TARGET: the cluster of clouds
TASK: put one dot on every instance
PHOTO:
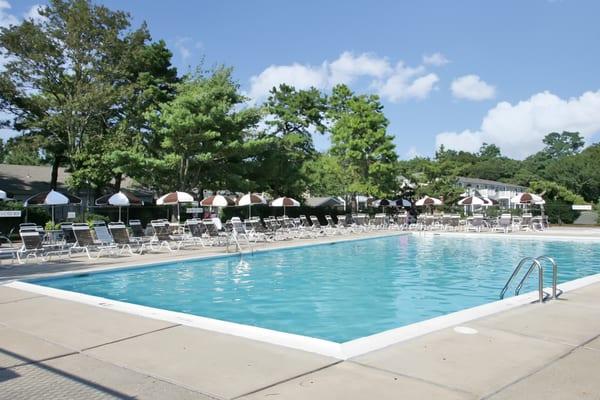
(518, 129)
(392, 81)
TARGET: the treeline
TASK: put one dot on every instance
(90, 93)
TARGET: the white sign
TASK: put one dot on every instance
(71, 214)
(16, 213)
(194, 210)
(582, 207)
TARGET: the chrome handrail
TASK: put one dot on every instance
(515, 272)
(540, 268)
(555, 292)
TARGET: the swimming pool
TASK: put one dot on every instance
(339, 291)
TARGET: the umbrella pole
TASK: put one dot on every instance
(52, 216)
(249, 211)
(284, 210)
(119, 213)
(178, 213)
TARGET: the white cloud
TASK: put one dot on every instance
(6, 18)
(297, 75)
(406, 83)
(435, 59)
(519, 129)
(349, 67)
(471, 87)
(34, 13)
(393, 83)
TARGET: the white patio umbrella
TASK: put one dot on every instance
(52, 199)
(285, 202)
(4, 195)
(175, 198)
(119, 199)
(251, 199)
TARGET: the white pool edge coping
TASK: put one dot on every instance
(341, 351)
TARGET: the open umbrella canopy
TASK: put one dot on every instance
(174, 198)
(401, 203)
(428, 201)
(4, 195)
(489, 202)
(51, 198)
(217, 201)
(527, 198)
(285, 202)
(473, 201)
(382, 203)
(119, 199)
(250, 199)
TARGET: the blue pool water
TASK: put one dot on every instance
(340, 291)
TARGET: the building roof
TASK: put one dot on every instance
(477, 181)
(323, 202)
(21, 180)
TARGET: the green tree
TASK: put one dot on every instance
(563, 144)
(64, 78)
(360, 141)
(292, 116)
(203, 137)
(326, 176)
(24, 150)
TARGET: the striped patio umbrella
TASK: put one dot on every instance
(175, 198)
(472, 201)
(402, 203)
(428, 201)
(285, 202)
(249, 200)
(52, 199)
(382, 203)
(217, 201)
(527, 198)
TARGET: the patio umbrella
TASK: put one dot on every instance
(382, 203)
(250, 199)
(428, 201)
(52, 199)
(527, 198)
(472, 201)
(217, 201)
(175, 198)
(401, 203)
(119, 199)
(285, 202)
(4, 195)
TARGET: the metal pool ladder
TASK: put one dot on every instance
(535, 263)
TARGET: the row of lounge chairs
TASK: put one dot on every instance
(116, 239)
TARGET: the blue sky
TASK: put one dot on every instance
(457, 73)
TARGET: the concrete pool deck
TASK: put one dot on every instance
(54, 348)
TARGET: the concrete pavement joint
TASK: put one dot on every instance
(129, 337)
(416, 378)
(289, 379)
(541, 368)
(21, 299)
